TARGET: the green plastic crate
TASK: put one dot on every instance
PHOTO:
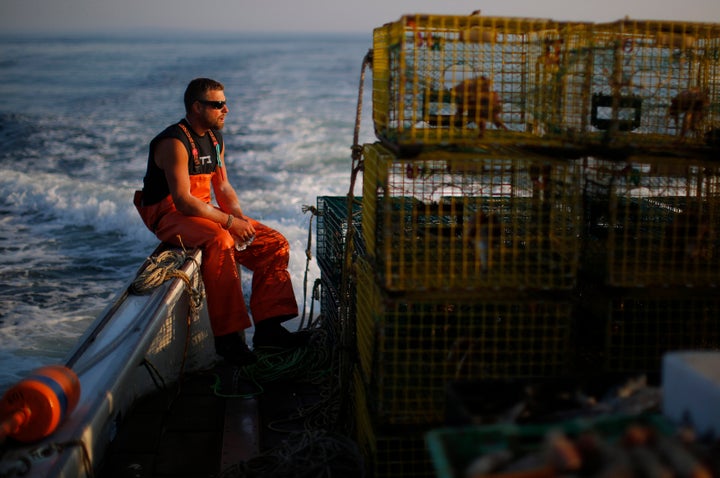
(452, 450)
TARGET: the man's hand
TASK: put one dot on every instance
(242, 229)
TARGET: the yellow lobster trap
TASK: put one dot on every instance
(442, 79)
(447, 221)
(653, 84)
(653, 222)
(412, 347)
(639, 326)
(392, 451)
(474, 80)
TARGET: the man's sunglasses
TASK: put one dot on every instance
(218, 105)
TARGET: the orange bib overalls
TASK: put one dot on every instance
(272, 294)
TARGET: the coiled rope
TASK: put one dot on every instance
(311, 363)
(166, 266)
(163, 267)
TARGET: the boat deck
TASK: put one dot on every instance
(216, 423)
(177, 432)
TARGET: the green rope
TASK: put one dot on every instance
(310, 363)
(216, 387)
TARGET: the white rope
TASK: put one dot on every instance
(166, 266)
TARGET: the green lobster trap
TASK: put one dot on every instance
(441, 79)
(412, 347)
(654, 84)
(462, 221)
(653, 222)
(332, 230)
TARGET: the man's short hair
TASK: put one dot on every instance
(197, 90)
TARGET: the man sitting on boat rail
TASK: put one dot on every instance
(186, 162)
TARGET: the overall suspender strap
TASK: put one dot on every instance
(217, 148)
(194, 149)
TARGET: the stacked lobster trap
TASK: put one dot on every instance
(650, 263)
(480, 253)
(452, 80)
(638, 326)
(332, 242)
(652, 222)
(450, 221)
(468, 265)
(654, 84)
(475, 80)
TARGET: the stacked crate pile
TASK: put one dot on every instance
(651, 266)
(537, 187)
(474, 81)
(470, 264)
(650, 263)
(471, 238)
(654, 86)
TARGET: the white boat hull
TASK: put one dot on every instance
(137, 345)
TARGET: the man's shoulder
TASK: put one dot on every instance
(172, 131)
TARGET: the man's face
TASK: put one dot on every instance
(214, 109)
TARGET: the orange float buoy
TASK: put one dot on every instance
(34, 408)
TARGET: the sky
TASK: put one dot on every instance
(92, 16)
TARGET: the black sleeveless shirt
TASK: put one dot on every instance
(155, 186)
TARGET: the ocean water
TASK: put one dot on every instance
(76, 116)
